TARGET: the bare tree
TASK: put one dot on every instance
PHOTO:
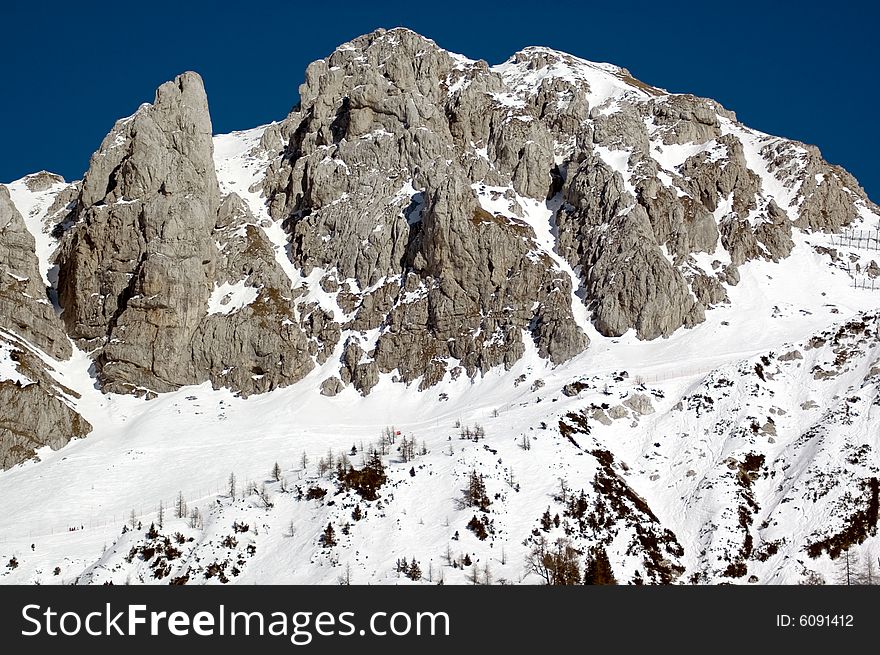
(161, 518)
(303, 461)
(195, 518)
(555, 564)
(407, 449)
(180, 510)
(345, 579)
(474, 576)
(846, 573)
(264, 497)
(487, 574)
(132, 520)
(867, 573)
(231, 486)
(510, 478)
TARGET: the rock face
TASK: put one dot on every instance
(34, 411)
(136, 274)
(419, 184)
(257, 346)
(142, 262)
(25, 309)
(441, 216)
(377, 184)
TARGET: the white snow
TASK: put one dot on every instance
(605, 81)
(8, 368)
(229, 298)
(33, 207)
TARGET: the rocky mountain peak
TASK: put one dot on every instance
(419, 215)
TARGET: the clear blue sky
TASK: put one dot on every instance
(69, 70)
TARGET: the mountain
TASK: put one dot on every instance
(637, 333)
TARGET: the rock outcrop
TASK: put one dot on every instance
(390, 127)
(142, 262)
(35, 410)
(442, 216)
(25, 309)
(255, 346)
(136, 274)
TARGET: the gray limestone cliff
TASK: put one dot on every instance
(35, 411)
(442, 217)
(141, 262)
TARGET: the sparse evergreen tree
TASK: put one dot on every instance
(328, 537)
(812, 578)
(598, 570)
(276, 472)
(161, 517)
(475, 494)
(303, 461)
(415, 571)
(546, 521)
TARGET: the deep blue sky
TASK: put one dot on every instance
(70, 70)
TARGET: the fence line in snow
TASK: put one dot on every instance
(864, 239)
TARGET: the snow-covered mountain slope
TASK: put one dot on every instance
(750, 468)
(650, 331)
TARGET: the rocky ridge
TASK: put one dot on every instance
(439, 217)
